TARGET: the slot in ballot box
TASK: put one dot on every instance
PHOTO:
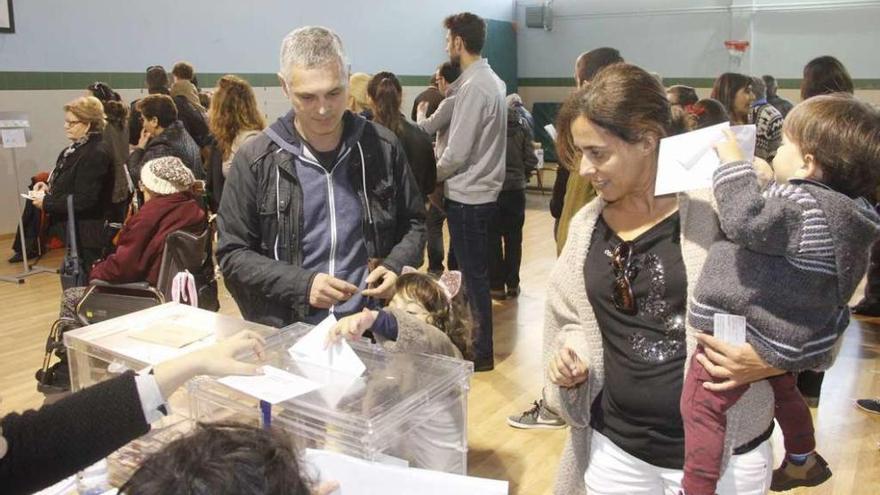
(141, 339)
(406, 409)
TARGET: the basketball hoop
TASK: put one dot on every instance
(736, 48)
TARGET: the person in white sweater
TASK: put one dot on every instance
(616, 341)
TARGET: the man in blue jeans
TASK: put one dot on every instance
(472, 169)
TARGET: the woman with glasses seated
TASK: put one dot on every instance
(616, 339)
(85, 170)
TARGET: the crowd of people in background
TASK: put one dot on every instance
(331, 208)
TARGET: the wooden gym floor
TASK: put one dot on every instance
(848, 438)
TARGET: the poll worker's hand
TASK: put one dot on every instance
(326, 488)
(351, 327)
(145, 137)
(217, 360)
(567, 369)
(385, 289)
(733, 365)
(728, 150)
(38, 201)
(327, 291)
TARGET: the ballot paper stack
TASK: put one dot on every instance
(403, 410)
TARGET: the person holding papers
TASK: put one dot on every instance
(39, 448)
(615, 336)
(809, 230)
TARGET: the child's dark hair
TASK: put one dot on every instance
(452, 317)
(221, 459)
(843, 134)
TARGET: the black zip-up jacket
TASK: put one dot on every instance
(276, 291)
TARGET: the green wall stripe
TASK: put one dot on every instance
(11, 80)
(696, 82)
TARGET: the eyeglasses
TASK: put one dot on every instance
(624, 271)
(71, 123)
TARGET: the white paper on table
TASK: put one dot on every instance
(687, 161)
(273, 386)
(339, 356)
(13, 138)
(730, 328)
(360, 477)
(551, 130)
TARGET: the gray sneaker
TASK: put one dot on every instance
(537, 417)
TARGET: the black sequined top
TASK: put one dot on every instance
(638, 409)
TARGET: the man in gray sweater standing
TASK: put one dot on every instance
(472, 166)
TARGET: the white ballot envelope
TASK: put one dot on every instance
(339, 356)
(687, 161)
(34, 195)
(360, 477)
(730, 328)
(551, 130)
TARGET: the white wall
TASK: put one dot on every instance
(404, 36)
(680, 38)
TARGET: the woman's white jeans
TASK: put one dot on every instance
(612, 471)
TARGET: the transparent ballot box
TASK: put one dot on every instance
(406, 409)
(141, 339)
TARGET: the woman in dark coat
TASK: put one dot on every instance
(84, 170)
(163, 135)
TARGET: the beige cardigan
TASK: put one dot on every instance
(569, 319)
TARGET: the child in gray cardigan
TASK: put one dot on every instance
(791, 259)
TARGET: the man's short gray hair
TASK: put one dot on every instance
(313, 46)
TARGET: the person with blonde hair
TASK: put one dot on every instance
(84, 170)
(358, 100)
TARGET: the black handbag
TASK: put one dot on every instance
(73, 273)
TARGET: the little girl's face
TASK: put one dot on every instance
(403, 302)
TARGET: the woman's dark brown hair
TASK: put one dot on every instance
(233, 109)
(843, 134)
(725, 88)
(452, 317)
(116, 112)
(161, 107)
(223, 459)
(623, 99)
(386, 94)
(824, 75)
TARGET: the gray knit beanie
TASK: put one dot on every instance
(166, 175)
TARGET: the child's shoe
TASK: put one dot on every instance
(812, 472)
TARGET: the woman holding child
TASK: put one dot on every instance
(616, 341)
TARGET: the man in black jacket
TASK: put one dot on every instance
(320, 212)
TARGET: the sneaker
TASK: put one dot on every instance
(869, 405)
(513, 291)
(537, 417)
(866, 308)
(813, 472)
(498, 294)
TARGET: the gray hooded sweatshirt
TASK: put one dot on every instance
(472, 165)
(791, 259)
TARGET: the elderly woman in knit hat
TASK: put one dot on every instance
(169, 205)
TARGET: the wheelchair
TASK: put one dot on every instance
(184, 251)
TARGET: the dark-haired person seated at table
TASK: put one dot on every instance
(226, 459)
(39, 448)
